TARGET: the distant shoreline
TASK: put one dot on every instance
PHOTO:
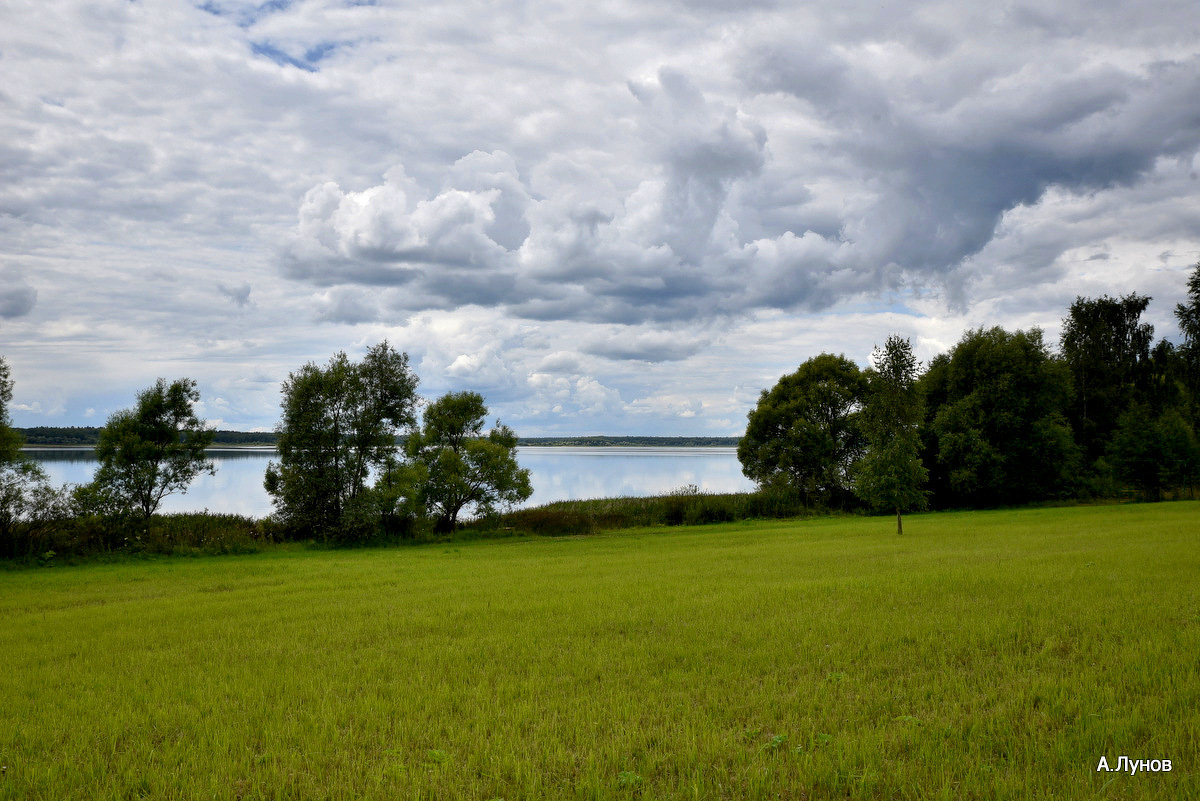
(86, 437)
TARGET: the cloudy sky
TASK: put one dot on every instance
(607, 217)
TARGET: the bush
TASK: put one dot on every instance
(684, 506)
(29, 509)
(186, 534)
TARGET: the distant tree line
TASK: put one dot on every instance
(999, 419)
(631, 442)
(50, 436)
(90, 435)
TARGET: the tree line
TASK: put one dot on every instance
(1000, 419)
(354, 463)
(83, 436)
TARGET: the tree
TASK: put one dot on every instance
(27, 501)
(1188, 315)
(339, 422)
(803, 433)
(890, 474)
(155, 449)
(10, 440)
(1154, 454)
(996, 432)
(1107, 348)
(454, 465)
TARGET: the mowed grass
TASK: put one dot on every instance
(981, 655)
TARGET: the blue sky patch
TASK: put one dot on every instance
(279, 57)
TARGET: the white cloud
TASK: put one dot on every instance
(605, 216)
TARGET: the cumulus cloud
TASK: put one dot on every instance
(488, 238)
(901, 178)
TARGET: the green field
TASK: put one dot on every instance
(981, 655)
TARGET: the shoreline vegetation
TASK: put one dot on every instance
(79, 540)
(92, 539)
(89, 436)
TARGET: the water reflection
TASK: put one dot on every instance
(237, 487)
(556, 474)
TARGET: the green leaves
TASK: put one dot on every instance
(456, 466)
(997, 427)
(154, 449)
(339, 422)
(803, 433)
(890, 475)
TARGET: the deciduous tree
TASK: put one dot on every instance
(10, 440)
(1107, 347)
(1154, 454)
(1188, 315)
(890, 475)
(803, 433)
(339, 422)
(454, 465)
(996, 428)
(154, 449)
(27, 501)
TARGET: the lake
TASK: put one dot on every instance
(557, 474)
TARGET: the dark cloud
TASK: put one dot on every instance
(645, 346)
(943, 170)
(17, 297)
(340, 305)
(239, 294)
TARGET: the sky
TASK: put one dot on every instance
(608, 217)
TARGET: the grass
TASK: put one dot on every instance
(982, 655)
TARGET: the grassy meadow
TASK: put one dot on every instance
(982, 655)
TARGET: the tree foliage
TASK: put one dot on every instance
(996, 430)
(339, 421)
(1107, 348)
(890, 475)
(804, 434)
(1188, 315)
(10, 440)
(27, 501)
(1154, 454)
(154, 449)
(454, 465)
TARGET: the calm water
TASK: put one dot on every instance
(557, 474)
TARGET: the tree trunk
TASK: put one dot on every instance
(899, 525)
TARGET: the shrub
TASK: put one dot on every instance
(684, 506)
